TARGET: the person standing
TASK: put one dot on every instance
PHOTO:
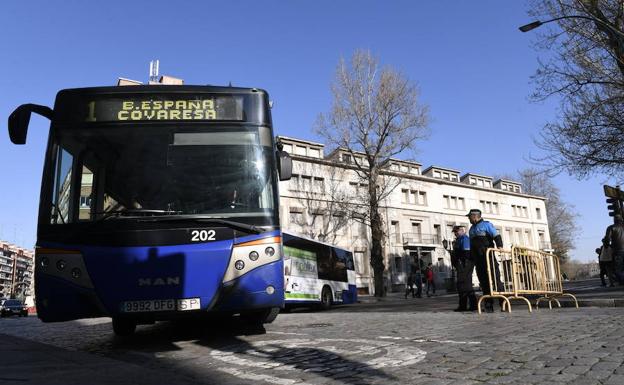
(614, 239)
(410, 284)
(418, 282)
(605, 261)
(483, 235)
(464, 266)
(429, 277)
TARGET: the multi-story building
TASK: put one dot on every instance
(419, 211)
(16, 271)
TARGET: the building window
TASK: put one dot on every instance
(489, 207)
(314, 152)
(318, 185)
(296, 216)
(437, 174)
(346, 158)
(538, 213)
(454, 203)
(361, 262)
(300, 150)
(398, 264)
(294, 182)
(414, 197)
(520, 211)
(395, 231)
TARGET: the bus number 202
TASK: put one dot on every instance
(202, 235)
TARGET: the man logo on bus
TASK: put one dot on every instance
(164, 281)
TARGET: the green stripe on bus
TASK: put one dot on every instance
(298, 253)
(306, 296)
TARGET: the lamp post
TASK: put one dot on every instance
(537, 23)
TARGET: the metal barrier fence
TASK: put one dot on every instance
(520, 272)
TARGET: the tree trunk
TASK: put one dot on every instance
(377, 260)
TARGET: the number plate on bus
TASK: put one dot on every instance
(155, 305)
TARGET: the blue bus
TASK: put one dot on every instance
(317, 274)
(158, 202)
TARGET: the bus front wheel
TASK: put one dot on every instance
(326, 298)
(259, 317)
(123, 326)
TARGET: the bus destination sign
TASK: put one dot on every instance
(204, 107)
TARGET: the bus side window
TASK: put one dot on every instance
(324, 260)
(62, 187)
(350, 263)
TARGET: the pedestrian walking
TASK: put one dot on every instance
(418, 281)
(430, 279)
(464, 266)
(605, 261)
(483, 235)
(410, 284)
(614, 239)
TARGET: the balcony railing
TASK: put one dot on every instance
(421, 239)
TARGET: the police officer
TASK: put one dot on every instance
(483, 235)
(464, 266)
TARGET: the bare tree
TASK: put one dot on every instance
(375, 114)
(329, 206)
(561, 215)
(587, 74)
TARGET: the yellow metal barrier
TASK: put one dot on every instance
(519, 272)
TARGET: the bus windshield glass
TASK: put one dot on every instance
(219, 171)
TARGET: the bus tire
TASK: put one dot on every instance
(326, 298)
(260, 317)
(124, 327)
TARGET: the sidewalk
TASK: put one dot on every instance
(588, 293)
(27, 362)
(400, 296)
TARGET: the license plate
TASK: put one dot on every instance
(157, 305)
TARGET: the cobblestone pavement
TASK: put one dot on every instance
(347, 346)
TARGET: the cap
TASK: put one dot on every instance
(473, 211)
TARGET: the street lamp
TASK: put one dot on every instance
(538, 23)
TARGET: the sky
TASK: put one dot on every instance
(470, 62)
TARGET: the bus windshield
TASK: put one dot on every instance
(213, 170)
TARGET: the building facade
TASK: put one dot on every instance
(16, 271)
(419, 212)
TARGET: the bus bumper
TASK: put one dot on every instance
(257, 289)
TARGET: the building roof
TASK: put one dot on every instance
(440, 168)
(469, 174)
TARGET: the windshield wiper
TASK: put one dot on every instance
(231, 224)
(134, 213)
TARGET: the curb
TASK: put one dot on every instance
(595, 302)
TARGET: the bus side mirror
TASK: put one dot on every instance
(19, 119)
(284, 163)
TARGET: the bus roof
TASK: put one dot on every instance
(292, 234)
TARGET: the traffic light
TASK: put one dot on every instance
(614, 206)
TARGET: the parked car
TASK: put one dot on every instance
(11, 307)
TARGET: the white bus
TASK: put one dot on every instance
(316, 273)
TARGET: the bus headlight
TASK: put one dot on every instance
(247, 256)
